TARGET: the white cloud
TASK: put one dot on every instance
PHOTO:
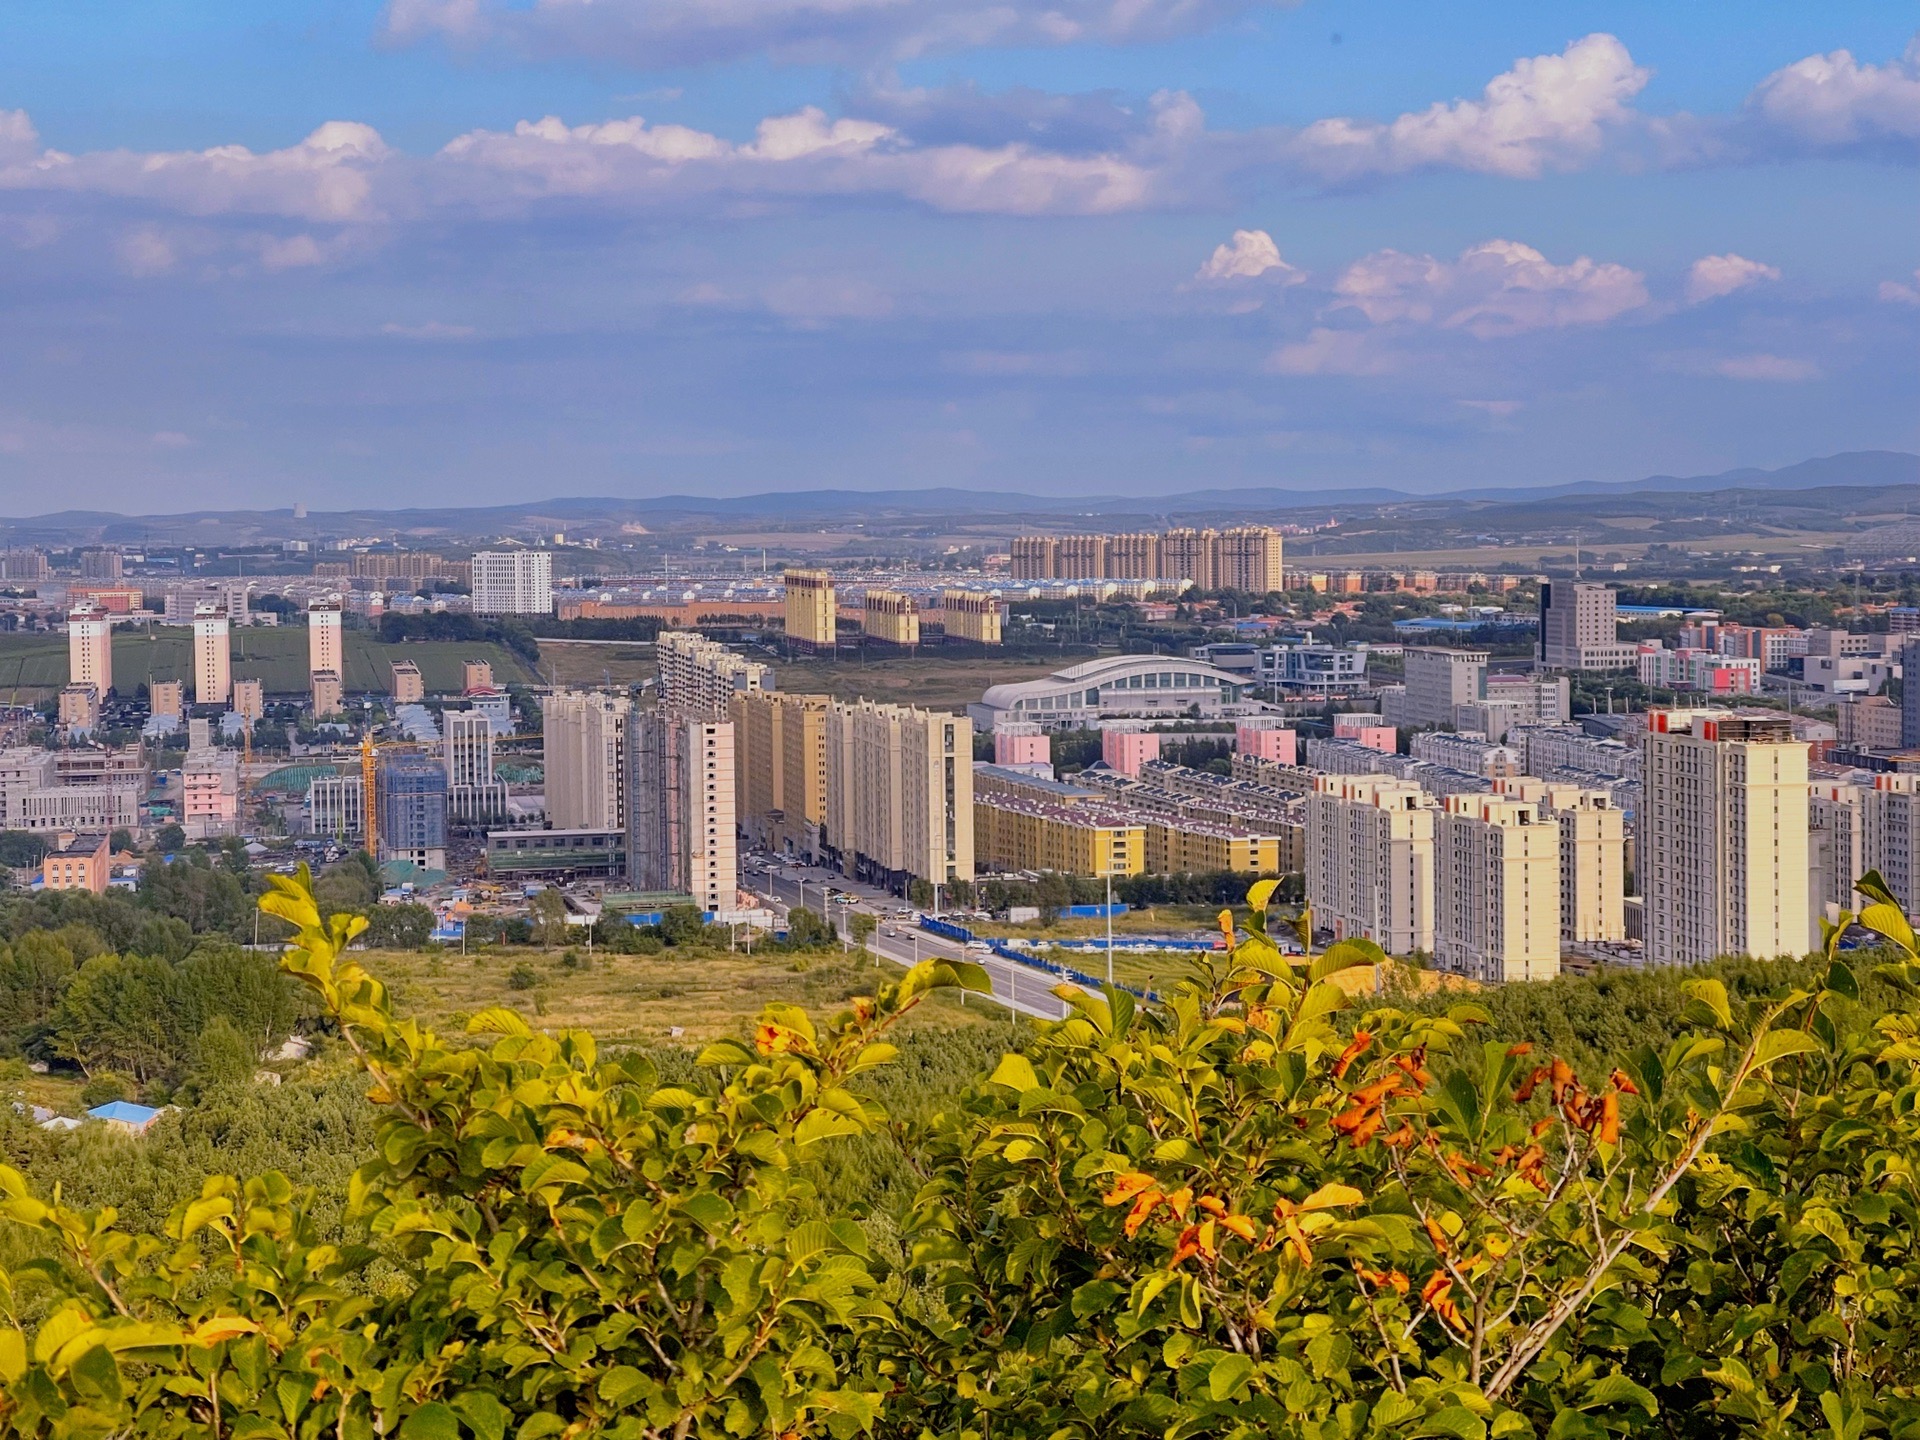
(18, 139)
(1549, 112)
(1834, 101)
(1896, 292)
(1332, 352)
(798, 155)
(1250, 254)
(145, 251)
(1497, 288)
(1712, 276)
(428, 330)
(656, 33)
(326, 177)
(1777, 368)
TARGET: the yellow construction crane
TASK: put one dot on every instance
(369, 784)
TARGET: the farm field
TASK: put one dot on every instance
(34, 666)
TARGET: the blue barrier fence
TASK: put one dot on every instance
(1093, 912)
(948, 930)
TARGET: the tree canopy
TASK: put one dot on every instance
(1256, 1208)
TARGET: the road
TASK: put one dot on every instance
(1020, 988)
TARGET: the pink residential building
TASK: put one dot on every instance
(1266, 741)
(210, 794)
(1127, 750)
(1021, 745)
(1368, 730)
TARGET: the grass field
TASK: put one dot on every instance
(33, 666)
(638, 999)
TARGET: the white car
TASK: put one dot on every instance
(980, 945)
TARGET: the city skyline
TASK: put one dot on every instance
(424, 252)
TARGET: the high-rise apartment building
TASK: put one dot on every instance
(326, 649)
(1035, 557)
(164, 698)
(891, 617)
(408, 686)
(780, 750)
(328, 696)
(1250, 558)
(474, 795)
(101, 565)
(1082, 557)
(1133, 557)
(212, 656)
(969, 615)
(249, 700)
(1246, 557)
(585, 757)
(1593, 856)
(1191, 555)
(1439, 680)
(513, 582)
(410, 796)
(682, 817)
(90, 649)
(899, 800)
(812, 609)
(1496, 890)
(1836, 851)
(1579, 628)
(1910, 695)
(1891, 831)
(1370, 860)
(1722, 840)
(699, 676)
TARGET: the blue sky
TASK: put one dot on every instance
(420, 251)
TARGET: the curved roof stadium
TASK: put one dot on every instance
(1113, 688)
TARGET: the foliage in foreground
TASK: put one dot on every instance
(1238, 1213)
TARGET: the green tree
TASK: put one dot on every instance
(170, 839)
(21, 848)
(548, 910)
(407, 926)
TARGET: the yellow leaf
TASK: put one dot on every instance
(1330, 1195)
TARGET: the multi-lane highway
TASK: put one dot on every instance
(1020, 988)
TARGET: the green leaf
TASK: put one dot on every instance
(1778, 1044)
(1093, 1297)
(484, 1414)
(1888, 919)
(1344, 955)
(1229, 1375)
(1455, 1420)
(498, 1020)
(13, 1355)
(96, 1375)
(432, 1421)
(621, 1385)
(1619, 1390)
(1261, 895)
(1015, 1072)
(1712, 997)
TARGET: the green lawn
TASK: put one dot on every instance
(34, 666)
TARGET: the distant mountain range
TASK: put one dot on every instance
(1877, 470)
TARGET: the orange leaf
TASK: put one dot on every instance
(1437, 1235)
(1610, 1119)
(1240, 1225)
(1623, 1084)
(1142, 1208)
(1523, 1048)
(1361, 1040)
(1207, 1246)
(1212, 1204)
(1179, 1200)
(1188, 1245)
(1127, 1186)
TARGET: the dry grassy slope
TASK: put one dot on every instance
(640, 998)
